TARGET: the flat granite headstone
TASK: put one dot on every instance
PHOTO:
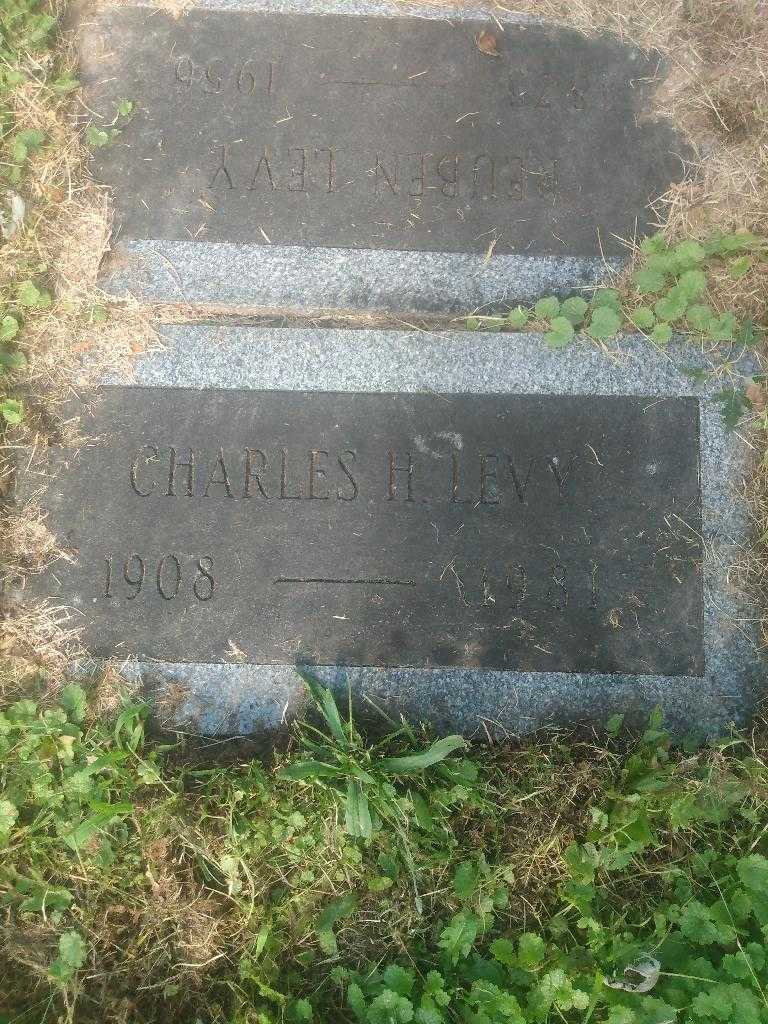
(468, 529)
(368, 160)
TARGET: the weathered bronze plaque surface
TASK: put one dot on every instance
(381, 133)
(507, 532)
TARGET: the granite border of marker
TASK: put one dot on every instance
(259, 700)
(320, 279)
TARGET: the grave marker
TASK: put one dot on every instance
(378, 133)
(516, 532)
(559, 551)
(365, 161)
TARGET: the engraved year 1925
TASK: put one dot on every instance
(168, 576)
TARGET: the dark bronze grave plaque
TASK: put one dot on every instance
(378, 133)
(505, 532)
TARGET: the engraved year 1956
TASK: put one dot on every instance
(169, 575)
(245, 77)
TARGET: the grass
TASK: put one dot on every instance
(239, 892)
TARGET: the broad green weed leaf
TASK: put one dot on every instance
(390, 1008)
(13, 361)
(356, 1001)
(504, 951)
(750, 334)
(688, 254)
(434, 985)
(28, 294)
(74, 702)
(301, 1011)
(458, 938)
(12, 411)
(64, 84)
(428, 1013)
(753, 872)
(399, 980)
(662, 263)
(614, 724)
(424, 818)
(720, 244)
(715, 1005)
(700, 927)
(379, 884)
(22, 711)
(98, 137)
(465, 879)
(9, 328)
(327, 941)
(357, 812)
(46, 900)
(439, 750)
(97, 314)
(531, 950)
(8, 816)
(332, 914)
(72, 949)
(25, 143)
(621, 1015)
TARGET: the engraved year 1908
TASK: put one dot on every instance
(168, 573)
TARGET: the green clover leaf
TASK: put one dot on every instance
(560, 333)
(661, 334)
(699, 316)
(574, 309)
(547, 307)
(517, 318)
(605, 323)
(642, 317)
(723, 327)
(673, 305)
(692, 283)
(647, 281)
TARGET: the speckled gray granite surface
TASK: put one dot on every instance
(381, 8)
(290, 277)
(221, 700)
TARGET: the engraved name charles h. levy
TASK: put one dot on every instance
(483, 478)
